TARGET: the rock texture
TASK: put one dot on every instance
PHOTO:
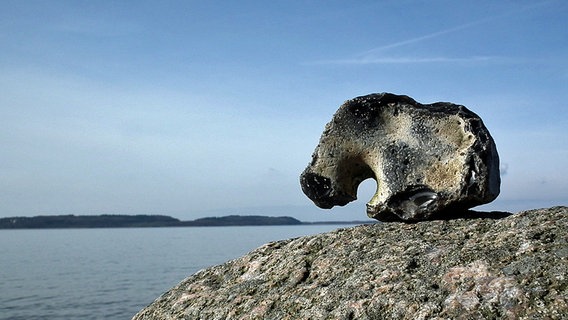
(428, 159)
(511, 268)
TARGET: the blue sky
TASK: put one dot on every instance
(196, 108)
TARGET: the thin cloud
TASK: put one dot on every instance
(376, 55)
(97, 27)
(409, 60)
(421, 38)
(372, 56)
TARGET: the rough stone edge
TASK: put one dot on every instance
(267, 249)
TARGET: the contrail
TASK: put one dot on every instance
(451, 30)
(414, 60)
(421, 38)
(372, 56)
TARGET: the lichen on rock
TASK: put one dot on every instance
(510, 268)
(429, 160)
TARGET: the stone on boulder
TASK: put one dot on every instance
(510, 268)
(429, 160)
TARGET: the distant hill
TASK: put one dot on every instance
(99, 221)
(242, 221)
(137, 221)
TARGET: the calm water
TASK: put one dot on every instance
(113, 273)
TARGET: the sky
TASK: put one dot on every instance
(201, 108)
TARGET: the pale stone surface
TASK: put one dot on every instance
(510, 268)
(428, 160)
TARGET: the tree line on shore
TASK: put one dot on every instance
(137, 221)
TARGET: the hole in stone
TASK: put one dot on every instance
(367, 189)
(472, 178)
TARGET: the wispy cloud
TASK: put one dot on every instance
(420, 38)
(409, 60)
(450, 30)
(99, 27)
(379, 55)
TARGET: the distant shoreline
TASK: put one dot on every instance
(151, 221)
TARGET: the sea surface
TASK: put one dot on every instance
(114, 273)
